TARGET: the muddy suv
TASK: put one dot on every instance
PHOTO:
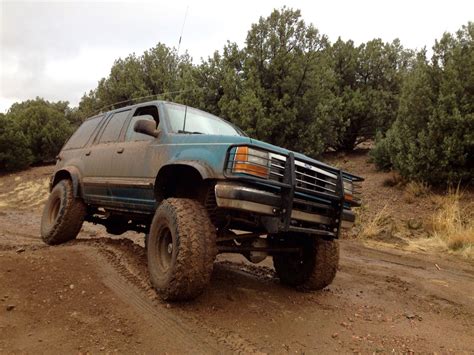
(196, 185)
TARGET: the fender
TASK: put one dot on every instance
(68, 172)
(203, 168)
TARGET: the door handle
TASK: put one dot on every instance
(88, 153)
(120, 150)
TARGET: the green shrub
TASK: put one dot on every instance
(380, 154)
(432, 138)
(33, 131)
(14, 150)
(368, 81)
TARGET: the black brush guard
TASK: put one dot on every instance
(288, 187)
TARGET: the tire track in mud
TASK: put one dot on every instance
(126, 275)
(22, 241)
(131, 290)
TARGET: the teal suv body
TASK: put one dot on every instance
(196, 185)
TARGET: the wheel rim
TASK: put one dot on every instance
(54, 210)
(165, 249)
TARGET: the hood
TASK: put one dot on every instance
(207, 139)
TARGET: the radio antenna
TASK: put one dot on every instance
(182, 29)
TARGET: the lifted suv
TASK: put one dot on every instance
(196, 186)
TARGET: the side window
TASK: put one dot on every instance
(114, 126)
(142, 113)
(80, 138)
(131, 135)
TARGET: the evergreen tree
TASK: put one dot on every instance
(14, 149)
(369, 78)
(282, 92)
(43, 124)
(432, 138)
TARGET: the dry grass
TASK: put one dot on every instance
(453, 226)
(375, 225)
(415, 190)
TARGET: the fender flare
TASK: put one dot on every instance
(203, 169)
(68, 172)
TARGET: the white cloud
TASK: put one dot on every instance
(59, 50)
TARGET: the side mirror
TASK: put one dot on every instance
(147, 127)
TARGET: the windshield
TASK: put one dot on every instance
(185, 119)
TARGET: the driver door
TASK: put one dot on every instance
(133, 185)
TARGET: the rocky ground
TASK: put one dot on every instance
(93, 295)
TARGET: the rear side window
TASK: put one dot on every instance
(80, 138)
(114, 126)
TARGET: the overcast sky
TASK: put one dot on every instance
(59, 50)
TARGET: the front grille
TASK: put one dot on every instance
(277, 169)
(309, 178)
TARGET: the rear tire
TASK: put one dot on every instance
(313, 269)
(181, 249)
(63, 215)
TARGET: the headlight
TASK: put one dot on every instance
(251, 161)
(348, 186)
(348, 190)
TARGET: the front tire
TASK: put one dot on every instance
(63, 215)
(181, 249)
(312, 269)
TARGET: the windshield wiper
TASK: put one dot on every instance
(188, 132)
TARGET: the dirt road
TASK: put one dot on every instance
(93, 295)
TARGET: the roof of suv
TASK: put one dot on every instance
(129, 107)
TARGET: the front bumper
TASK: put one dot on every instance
(238, 196)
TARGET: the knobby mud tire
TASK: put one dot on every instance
(314, 269)
(181, 271)
(63, 215)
